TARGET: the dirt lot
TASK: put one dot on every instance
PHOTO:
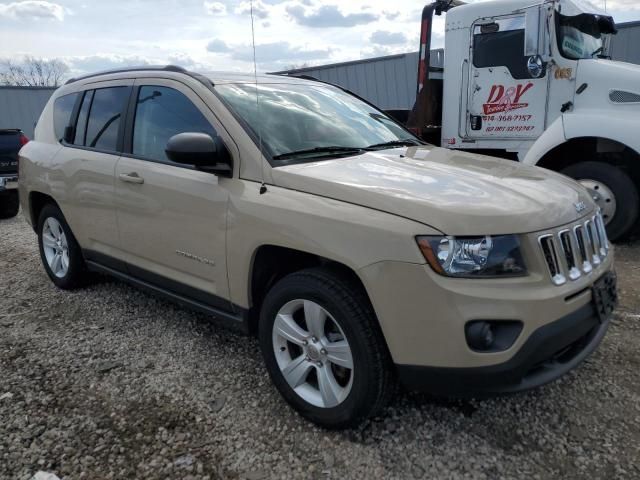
(109, 382)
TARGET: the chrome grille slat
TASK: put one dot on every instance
(550, 252)
(593, 248)
(569, 249)
(575, 251)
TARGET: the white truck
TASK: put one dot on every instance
(532, 81)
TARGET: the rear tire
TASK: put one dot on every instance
(622, 187)
(59, 251)
(362, 391)
(9, 204)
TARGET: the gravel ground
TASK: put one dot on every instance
(109, 382)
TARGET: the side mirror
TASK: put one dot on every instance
(202, 151)
(532, 32)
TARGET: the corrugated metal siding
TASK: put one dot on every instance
(625, 46)
(20, 107)
(388, 82)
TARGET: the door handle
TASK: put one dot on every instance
(132, 177)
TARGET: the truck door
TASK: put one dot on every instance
(507, 90)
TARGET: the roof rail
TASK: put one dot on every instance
(152, 68)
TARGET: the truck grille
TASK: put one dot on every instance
(575, 251)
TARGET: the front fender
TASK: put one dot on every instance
(622, 127)
(550, 139)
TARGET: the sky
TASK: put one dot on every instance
(210, 35)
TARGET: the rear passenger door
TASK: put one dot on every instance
(171, 217)
(88, 164)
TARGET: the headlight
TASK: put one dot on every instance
(486, 256)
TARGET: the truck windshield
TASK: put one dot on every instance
(310, 121)
(582, 36)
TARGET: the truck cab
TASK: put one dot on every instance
(533, 82)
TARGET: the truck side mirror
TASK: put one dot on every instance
(532, 32)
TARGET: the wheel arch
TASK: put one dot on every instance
(270, 263)
(596, 148)
(37, 201)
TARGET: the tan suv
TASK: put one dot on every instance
(292, 209)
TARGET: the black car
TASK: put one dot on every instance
(11, 141)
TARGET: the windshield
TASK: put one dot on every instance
(582, 36)
(303, 117)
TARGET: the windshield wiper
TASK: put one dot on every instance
(407, 142)
(318, 151)
(597, 51)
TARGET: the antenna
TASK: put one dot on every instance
(263, 186)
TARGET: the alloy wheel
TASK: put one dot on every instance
(313, 353)
(55, 246)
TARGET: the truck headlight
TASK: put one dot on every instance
(485, 256)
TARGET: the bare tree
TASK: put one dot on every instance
(32, 72)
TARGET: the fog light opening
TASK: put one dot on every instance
(480, 336)
(488, 336)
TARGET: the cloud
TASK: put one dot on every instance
(260, 10)
(215, 8)
(621, 5)
(278, 53)
(99, 62)
(217, 46)
(388, 38)
(391, 15)
(32, 9)
(328, 16)
(183, 60)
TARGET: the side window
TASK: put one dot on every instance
(161, 113)
(62, 110)
(105, 115)
(81, 125)
(501, 44)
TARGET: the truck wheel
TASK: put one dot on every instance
(9, 204)
(324, 349)
(59, 250)
(614, 192)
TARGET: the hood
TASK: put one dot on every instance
(610, 84)
(455, 192)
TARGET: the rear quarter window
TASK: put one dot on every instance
(62, 110)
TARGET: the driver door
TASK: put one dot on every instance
(171, 217)
(506, 101)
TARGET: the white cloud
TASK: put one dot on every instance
(215, 8)
(32, 9)
(99, 62)
(329, 16)
(619, 5)
(382, 37)
(217, 46)
(260, 10)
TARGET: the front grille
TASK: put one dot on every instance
(575, 251)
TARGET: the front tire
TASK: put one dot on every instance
(59, 250)
(613, 190)
(324, 350)
(9, 204)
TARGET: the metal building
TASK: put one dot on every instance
(388, 82)
(625, 45)
(20, 107)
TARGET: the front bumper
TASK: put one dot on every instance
(549, 352)
(9, 182)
